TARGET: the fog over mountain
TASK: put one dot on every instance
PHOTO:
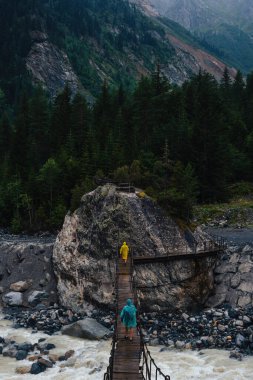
(194, 14)
(227, 25)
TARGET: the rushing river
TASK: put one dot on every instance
(91, 359)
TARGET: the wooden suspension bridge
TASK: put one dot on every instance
(132, 360)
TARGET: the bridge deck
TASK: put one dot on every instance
(171, 257)
(127, 354)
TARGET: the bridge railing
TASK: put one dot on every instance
(109, 371)
(217, 244)
(148, 367)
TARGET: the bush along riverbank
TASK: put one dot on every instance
(237, 213)
(224, 328)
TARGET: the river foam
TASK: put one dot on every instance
(91, 359)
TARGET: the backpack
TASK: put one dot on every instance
(129, 315)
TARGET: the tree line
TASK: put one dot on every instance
(180, 144)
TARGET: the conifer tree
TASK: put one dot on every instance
(80, 118)
(209, 139)
(19, 147)
(61, 119)
(39, 134)
(5, 136)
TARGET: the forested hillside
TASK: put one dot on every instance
(103, 39)
(180, 144)
(84, 42)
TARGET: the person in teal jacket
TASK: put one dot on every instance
(128, 318)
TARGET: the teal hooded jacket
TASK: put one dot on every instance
(128, 314)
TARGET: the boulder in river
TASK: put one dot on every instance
(87, 328)
(86, 249)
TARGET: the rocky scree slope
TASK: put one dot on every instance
(233, 276)
(86, 248)
(26, 272)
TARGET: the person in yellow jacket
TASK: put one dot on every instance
(124, 252)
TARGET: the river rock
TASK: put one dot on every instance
(69, 354)
(87, 328)
(45, 362)
(239, 340)
(21, 355)
(10, 351)
(23, 370)
(236, 355)
(20, 286)
(37, 368)
(36, 297)
(53, 358)
(13, 299)
(179, 345)
(1, 290)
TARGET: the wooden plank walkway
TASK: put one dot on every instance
(172, 257)
(127, 354)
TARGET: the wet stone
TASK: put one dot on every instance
(37, 368)
(21, 355)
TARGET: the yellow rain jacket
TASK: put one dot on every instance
(124, 251)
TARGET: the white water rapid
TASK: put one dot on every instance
(91, 359)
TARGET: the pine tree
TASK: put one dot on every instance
(19, 147)
(39, 135)
(80, 119)
(5, 136)
(210, 156)
(61, 119)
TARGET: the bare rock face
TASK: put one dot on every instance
(233, 277)
(26, 271)
(50, 66)
(86, 248)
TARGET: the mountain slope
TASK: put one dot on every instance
(226, 25)
(84, 43)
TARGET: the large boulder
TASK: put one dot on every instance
(86, 249)
(87, 328)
